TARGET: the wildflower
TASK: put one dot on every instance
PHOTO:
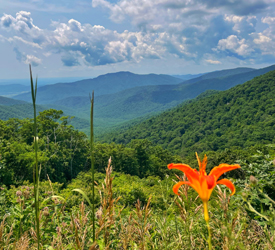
(26, 194)
(203, 183)
(253, 180)
(18, 193)
(46, 211)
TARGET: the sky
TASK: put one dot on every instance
(82, 38)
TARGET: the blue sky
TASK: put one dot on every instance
(88, 38)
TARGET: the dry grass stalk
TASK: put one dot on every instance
(224, 200)
(5, 236)
(142, 225)
(23, 243)
(126, 232)
(106, 213)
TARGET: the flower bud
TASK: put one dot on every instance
(244, 195)
(26, 194)
(253, 180)
(18, 193)
(46, 211)
(99, 213)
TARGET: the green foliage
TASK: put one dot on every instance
(241, 117)
(62, 151)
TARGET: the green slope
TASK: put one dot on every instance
(241, 116)
(11, 108)
(9, 101)
(19, 111)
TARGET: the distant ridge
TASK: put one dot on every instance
(104, 84)
(113, 110)
(9, 101)
(241, 116)
(123, 106)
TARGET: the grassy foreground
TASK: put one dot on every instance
(162, 221)
(115, 210)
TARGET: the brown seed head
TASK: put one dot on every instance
(18, 193)
(253, 179)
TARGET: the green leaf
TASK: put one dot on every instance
(84, 195)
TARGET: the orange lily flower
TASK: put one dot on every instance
(203, 183)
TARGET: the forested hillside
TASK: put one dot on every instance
(241, 116)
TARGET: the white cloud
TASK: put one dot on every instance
(213, 61)
(33, 60)
(242, 24)
(235, 45)
(262, 39)
(265, 40)
(181, 29)
(27, 59)
(153, 12)
(35, 45)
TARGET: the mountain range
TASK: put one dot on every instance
(239, 117)
(123, 96)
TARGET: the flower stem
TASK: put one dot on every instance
(206, 218)
(92, 161)
(35, 168)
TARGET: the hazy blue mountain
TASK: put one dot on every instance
(187, 77)
(42, 81)
(104, 84)
(114, 109)
(11, 90)
(220, 74)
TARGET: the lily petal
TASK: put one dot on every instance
(210, 180)
(177, 186)
(229, 184)
(199, 160)
(203, 165)
(190, 172)
(222, 168)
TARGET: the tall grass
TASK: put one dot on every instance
(36, 171)
(92, 161)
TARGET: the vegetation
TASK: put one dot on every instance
(134, 202)
(134, 213)
(240, 117)
(64, 151)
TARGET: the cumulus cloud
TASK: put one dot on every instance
(265, 40)
(27, 59)
(244, 25)
(235, 45)
(22, 22)
(157, 11)
(181, 28)
(76, 42)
